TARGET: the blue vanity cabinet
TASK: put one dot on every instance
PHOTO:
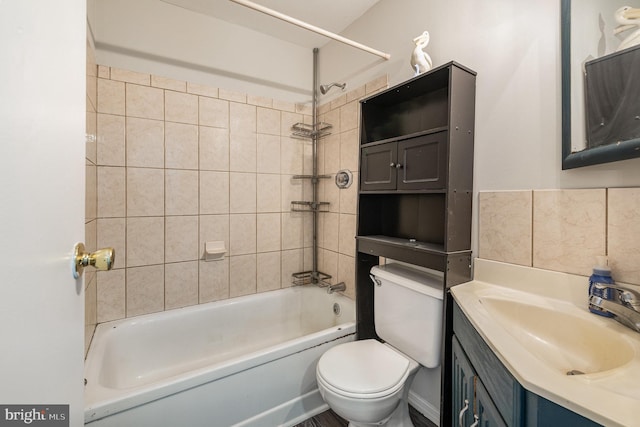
(493, 393)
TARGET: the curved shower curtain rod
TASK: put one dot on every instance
(310, 27)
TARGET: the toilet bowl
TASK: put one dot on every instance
(368, 382)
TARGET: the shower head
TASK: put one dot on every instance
(325, 88)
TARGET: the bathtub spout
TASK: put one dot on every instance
(340, 287)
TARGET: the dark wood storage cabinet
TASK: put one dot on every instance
(416, 186)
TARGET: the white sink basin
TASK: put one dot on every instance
(568, 343)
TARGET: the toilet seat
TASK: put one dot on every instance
(364, 369)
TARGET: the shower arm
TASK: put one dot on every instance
(313, 28)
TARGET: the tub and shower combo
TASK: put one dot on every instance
(246, 361)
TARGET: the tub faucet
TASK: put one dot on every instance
(624, 305)
(341, 287)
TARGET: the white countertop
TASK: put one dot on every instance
(610, 397)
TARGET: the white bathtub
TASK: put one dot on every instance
(246, 361)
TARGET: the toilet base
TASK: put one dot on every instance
(399, 418)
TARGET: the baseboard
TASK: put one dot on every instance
(431, 412)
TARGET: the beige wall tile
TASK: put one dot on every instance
(287, 120)
(292, 262)
(339, 101)
(214, 192)
(268, 154)
(181, 146)
(91, 136)
(181, 192)
(167, 83)
(232, 95)
(347, 235)
(268, 232)
(623, 231)
(292, 230)
(144, 102)
(349, 116)
(91, 192)
(111, 97)
(243, 152)
(145, 241)
(213, 280)
(376, 85)
(242, 118)
(268, 271)
(111, 295)
(90, 312)
(242, 234)
(356, 94)
(348, 196)
(349, 150)
(213, 112)
(145, 143)
(213, 228)
(104, 72)
(111, 192)
(242, 194)
(260, 101)
(204, 90)
(130, 76)
(331, 231)
(268, 121)
(145, 290)
(180, 107)
(268, 193)
(213, 148)
(505, 226)
(291, 152)
(284, 106)
(112, 233)
(110, 142)
(181, 239)
(569, 229)
(242, 275)
(328, 263)
(180, 284)
(145, 192)
(347, 274)
(290, 190)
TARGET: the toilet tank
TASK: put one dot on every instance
(408, 311)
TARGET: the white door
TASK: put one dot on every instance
(42, 151)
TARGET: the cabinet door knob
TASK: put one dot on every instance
(392, 165)
(398, 166)
(462, 411)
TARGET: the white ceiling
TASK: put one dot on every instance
(331, 15)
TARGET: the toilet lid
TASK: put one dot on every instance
(363, 367)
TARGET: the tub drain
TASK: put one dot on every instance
(336, 309)
(575, 372)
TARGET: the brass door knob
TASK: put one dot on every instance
(102, 259)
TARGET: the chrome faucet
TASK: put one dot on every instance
(624, 304)
(341, 287)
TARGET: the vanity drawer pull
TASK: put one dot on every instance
(462, 411)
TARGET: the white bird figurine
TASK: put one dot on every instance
(420, 60)
(628, 17)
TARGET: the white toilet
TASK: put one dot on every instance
(367, 382)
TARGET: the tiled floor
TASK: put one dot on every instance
(330, 419)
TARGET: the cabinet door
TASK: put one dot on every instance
(378, 164)
(423, 162)
(462, 376)
(488, 415)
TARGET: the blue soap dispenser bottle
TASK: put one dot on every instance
(601, 276)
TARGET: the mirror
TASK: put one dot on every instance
(588, 42)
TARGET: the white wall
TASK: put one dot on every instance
(514, 45)
(151, 36)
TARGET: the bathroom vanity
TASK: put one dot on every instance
(526, 351)
(484, 390)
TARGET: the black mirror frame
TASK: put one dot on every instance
(592, 156)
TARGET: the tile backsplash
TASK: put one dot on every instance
(563, 230)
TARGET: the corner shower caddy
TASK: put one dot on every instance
(315, 131)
